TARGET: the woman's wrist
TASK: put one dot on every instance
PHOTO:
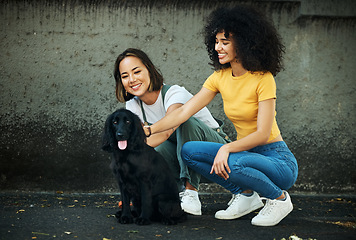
(226, 148)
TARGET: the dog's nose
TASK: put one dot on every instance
(119, 134)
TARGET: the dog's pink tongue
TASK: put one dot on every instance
(122, 144)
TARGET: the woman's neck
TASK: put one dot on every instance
(150, 98)
(237, 69)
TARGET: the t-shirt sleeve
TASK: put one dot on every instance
(176, 94)
(266, 88)
(211, 83)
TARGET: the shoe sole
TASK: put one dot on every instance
(273, 223)
(192, 212)
(255, 207)
(197, 213)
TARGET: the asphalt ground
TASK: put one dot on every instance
(91, 216)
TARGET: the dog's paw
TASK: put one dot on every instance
(125, 220)
(168, 221)
(142, 221)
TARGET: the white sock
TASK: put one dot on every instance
(193, 192)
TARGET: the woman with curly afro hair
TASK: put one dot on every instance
(246, 52)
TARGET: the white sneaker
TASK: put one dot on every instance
(190, 202)
(181, 194)
(273, 212)
(232, 199)
(239, 206)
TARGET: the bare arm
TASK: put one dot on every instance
(183, 113)
(156, 139)
(266, 111)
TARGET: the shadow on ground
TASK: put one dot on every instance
(91, 216)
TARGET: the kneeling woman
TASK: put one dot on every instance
(140, 85)
(246, 52)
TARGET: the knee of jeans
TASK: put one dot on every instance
(236, 166)
(187, 149)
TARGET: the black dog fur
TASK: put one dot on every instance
(143, 175)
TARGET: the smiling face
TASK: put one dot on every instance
(225, 48)
(134, 76)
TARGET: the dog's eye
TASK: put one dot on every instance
(114, 122)
(128, 122)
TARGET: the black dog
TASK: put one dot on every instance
(143, 175)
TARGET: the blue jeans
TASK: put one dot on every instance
(266, 169)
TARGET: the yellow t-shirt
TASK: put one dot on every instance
(241, 96)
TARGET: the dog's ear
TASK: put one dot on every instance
(107, 136)
(106, 146)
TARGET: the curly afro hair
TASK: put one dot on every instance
(257, 42)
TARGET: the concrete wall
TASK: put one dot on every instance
(57, 88)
